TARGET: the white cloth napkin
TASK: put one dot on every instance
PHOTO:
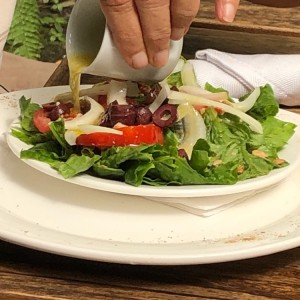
(210, 205)
(238, 73)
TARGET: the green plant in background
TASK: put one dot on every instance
(54, 20)
(24, 37)
(38, 29)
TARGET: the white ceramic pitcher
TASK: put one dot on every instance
(88, 35)
(7, 8)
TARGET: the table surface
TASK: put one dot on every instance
(30, 274)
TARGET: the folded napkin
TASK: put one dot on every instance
(210, 205)
(238, 73)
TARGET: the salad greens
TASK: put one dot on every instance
(230, 153)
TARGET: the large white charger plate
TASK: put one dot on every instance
(48, 214)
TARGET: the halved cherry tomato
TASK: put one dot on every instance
(136, 135)
(41, 121)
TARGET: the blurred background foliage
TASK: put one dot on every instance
(38, 29)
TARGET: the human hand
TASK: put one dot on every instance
(142, 29)
(226, 9)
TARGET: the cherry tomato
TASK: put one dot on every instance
(136, 135)
(142, 134)
(41, 121)
(100, 139)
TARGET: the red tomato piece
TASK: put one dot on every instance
(100, 139)
(41, 121)
(143, 134)
(136, 135)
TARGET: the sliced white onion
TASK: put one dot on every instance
(182, 110)
(198, 91)
(117, 91)
(249, 102)
(178, 97)
(178, 66)
(91, 117)
(194, 129)
(161, 97)
(71, 136)
(188, 76)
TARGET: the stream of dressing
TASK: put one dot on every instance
(77, 63)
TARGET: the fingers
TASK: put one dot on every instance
(155, 20)
(182, 14)
(226, 10)
(123, 21)
(142, 29)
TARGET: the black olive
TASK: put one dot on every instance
(182, 153)
(136, 101)
(152, 94)
(143, 115)
(58, 110)
(85, 106)
(165, 116)
(123, 113)
(49, 106)
(144, 88)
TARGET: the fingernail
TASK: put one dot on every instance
(139, 60)
(177, 33)
(160, 58)
(228, 12)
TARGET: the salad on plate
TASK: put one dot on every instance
(169, 133)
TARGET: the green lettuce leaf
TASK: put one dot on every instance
(266, 105)
(29, 137)
(77, 164)
(27, 109)
(175, 79)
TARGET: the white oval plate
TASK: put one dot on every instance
(42, 212)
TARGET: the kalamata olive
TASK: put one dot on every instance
(143, 115)
(49, 106)
(124, 113)
(153, 93)
(58, 110)
(182, 153)
(85, 106)
(136, 101)
(144, 88)
(165, 116)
